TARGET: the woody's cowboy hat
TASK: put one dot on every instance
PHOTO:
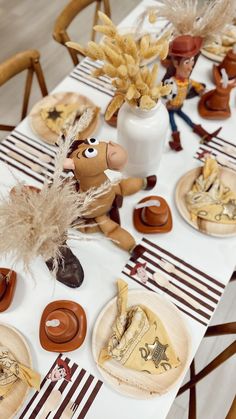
(63, 326)
(61, 363)
(185, 46)
(135, 268)
(152, 215)
(7, 287)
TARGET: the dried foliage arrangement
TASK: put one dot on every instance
(36, 222)
(190, 17)
(123, 58)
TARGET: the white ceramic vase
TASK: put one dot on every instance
(142, 133)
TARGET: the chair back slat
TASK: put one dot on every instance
(26, 60)
(67, 16)
(16, 64)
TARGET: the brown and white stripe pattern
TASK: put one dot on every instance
(81, 391)
(206, 294)
(31, 164)
(223, 151)
(83, 73)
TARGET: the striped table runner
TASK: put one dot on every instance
(83, 73)
(196, 285)
(80, 393)
(223, 151)
(24, 154)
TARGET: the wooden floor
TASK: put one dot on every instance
(28, 24)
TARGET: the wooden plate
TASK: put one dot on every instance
(15, 342)
(40, 127)
(212, 56)
(119, 377)
(185, 184)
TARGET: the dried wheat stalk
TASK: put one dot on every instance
(190, 17)
(123, 58)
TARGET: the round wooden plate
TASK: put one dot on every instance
(39, 126)
(15, 342)
(121, 378)
(212, 56)
(185, 184)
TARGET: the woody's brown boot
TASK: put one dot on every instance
(205, 135)
(176, 143)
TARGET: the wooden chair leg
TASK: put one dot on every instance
(95, 18)
(222, 357)
(107, 9)
(192, 411)
(221, 329)
(74, 56)
(28, 86)
(232, 411)
(40, 77)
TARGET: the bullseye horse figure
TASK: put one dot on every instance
(88, 160)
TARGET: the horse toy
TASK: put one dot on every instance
(88, 160)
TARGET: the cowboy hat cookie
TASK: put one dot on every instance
(215, 103)
(152, 215)
(7, 287)
(63, 326)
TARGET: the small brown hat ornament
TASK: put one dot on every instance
(215, 104)
(152, 215)
(63, 326)
(7, 287)
(229, 64)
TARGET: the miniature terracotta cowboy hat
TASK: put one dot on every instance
(229, 64)
(215, 104)
(152, 215)
(63, 326)
(7, 287)
(185, 46)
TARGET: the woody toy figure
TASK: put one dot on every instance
(183, 52)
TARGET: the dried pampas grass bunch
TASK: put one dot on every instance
(35, 222)
(189, 17)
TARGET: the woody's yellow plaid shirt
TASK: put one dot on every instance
(183, 87)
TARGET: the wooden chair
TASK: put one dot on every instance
(217, 330)
(26, 60)
(68, 14)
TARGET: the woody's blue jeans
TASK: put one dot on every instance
(181, 115)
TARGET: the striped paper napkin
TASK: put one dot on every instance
(191, 290)
(31, 157)
(79, 390)
(223, 151)
(83, 73)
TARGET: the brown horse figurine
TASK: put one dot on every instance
(89, 159)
